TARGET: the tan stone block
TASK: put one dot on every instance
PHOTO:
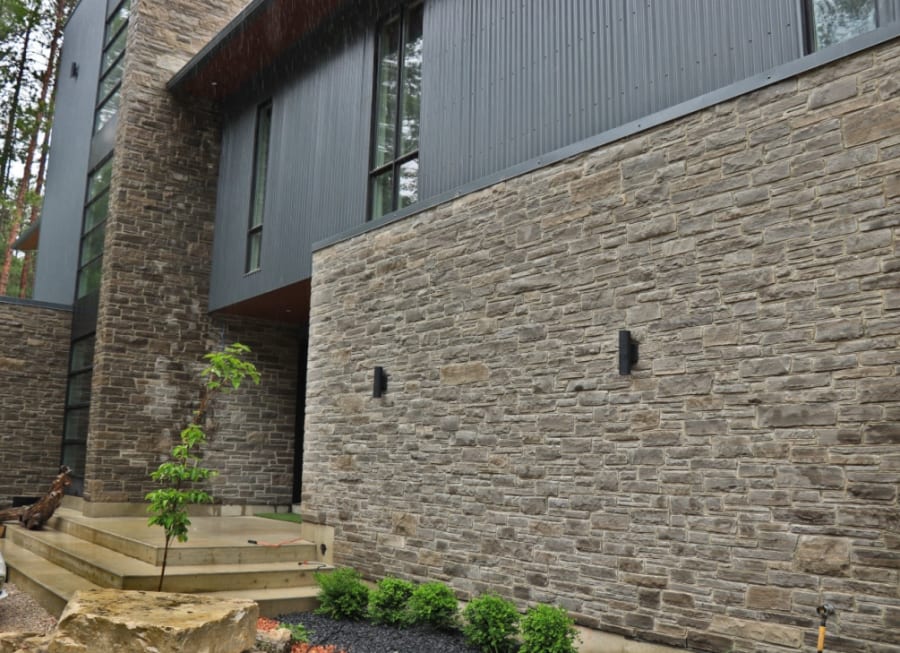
(758, 631)
(867, 125)
(820, 554)
(464, 373)
(154, 622)
(762, 597)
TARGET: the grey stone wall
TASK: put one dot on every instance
(153, 326)
(34, 356)
(744, 473)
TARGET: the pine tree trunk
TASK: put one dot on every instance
(41, 125)
(6, 157)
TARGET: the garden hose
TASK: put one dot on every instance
(825, 610)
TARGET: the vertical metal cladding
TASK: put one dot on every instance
(67, 170)
(504, 81)
(508, 80)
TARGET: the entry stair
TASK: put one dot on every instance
(236, 557)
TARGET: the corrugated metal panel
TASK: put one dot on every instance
(888, 11)
(57, 260)
(318, 166)
(507, 80)
(504, 81)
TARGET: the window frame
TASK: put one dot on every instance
(810, 32)
(258, 184)
(400, 159)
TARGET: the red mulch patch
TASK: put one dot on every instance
(264, 623)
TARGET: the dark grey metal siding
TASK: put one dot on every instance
(508, 80)
(61, 215)
(318, 164)
(504, 82)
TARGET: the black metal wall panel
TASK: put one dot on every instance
(318, 166)
(504, 82)
(508, 80)
(70, 151)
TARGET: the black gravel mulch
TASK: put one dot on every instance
(365, 637)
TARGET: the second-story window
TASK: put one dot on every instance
(112, 64)
(96, 209)
(394, 172)
(834, 21)
(258, 186)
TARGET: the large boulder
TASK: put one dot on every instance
(154, 622)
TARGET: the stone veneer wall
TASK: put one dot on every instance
(745, 472)
(153, 326)
(34, 357)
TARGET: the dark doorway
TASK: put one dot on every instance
(302, 349)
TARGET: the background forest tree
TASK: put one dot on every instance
(30, 41)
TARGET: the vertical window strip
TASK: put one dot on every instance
(394, 172)
(258, 186)
(112, 65)
(93, 229)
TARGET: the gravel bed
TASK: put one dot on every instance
(365, 637)
(20, 613)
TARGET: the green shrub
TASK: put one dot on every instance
(434, 604)
(342, 594)
(491, 624)
(546, 629)
(299, 633)
(387, 604)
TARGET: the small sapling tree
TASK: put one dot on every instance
(182, 475)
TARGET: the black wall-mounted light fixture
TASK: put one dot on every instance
(379, 387)
(628, 353)
(73, 71)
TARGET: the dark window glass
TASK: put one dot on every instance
(394, 176)
(80, 388)
(89, 277)
(82, 355)
(838, 20)
(258, 186)
(93, 228)
(112, 65)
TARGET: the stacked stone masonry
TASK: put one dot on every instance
(153, 327)
(34, 356)
(744, 473)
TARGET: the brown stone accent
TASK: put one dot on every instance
(34, 357)
(744, 471)
(153, 327)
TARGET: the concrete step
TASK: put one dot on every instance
(212, 541)
(109, 568)
(48, 584)
(275, 602)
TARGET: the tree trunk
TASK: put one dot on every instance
(36, 515)
(6, 157)
(42, 116)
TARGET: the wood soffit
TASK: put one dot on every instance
(252, 42)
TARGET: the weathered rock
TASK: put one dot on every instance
(274, 641)
(151, 622)
(24, 643)
(823, 555)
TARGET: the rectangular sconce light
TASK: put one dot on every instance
(379, 386)
(628, 353)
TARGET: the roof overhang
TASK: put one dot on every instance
(29, 239)
(249, 44)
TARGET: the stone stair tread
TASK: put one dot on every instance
(51, 585)
(125, 566)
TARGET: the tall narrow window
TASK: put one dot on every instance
(834, 21)
(112, 65)
(394, 172)
(258, 186)
(93, 230)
